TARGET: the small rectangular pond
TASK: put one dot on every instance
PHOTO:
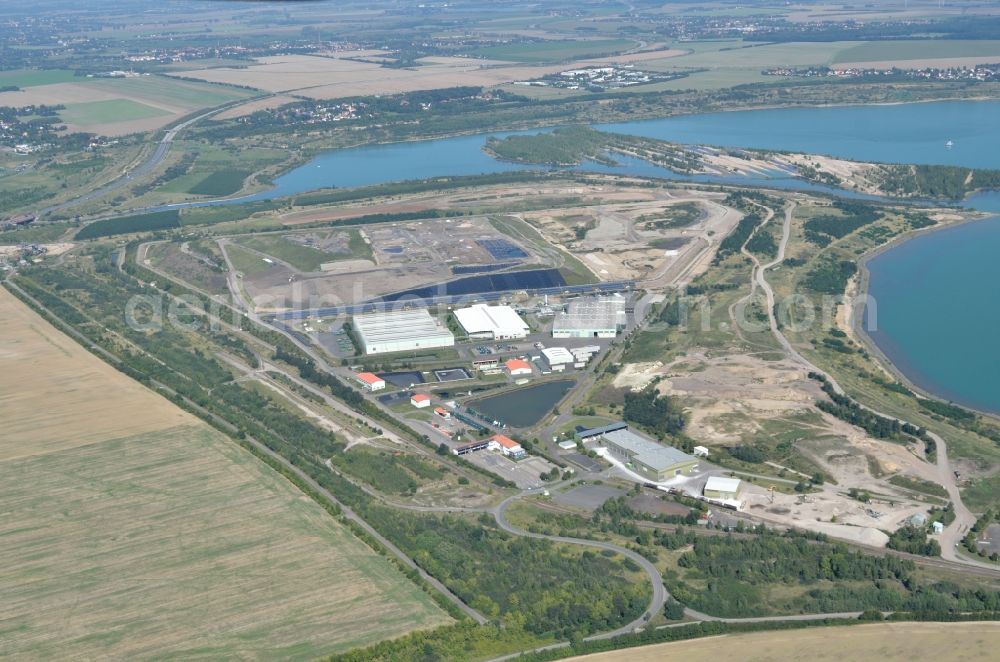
(403, 379)
(525, 406)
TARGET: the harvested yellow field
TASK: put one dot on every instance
(330, 77)
(336, 77)
(879, 642)
(54, 394)
(131, 530)
(178, 545)
(255, 105)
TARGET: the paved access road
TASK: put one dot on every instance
(659, 592)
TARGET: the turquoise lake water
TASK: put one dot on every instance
(909, 133)
(938, 311)
(927, 323)
(903, 133)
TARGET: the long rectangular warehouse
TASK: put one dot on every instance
(400, 331)
(496, 322)
(652, 460)
(591, 317)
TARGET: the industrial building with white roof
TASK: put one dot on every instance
(557, 358)
(400, 331)
(496, 322)
(591, 317)
(720, 487)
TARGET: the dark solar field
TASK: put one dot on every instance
(501, 249)
(518, 280)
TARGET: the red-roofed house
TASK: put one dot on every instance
(442, 412)
(420, 400)
(507, 446)
(517, 367)
(370, 381)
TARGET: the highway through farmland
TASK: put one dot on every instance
(147, 166)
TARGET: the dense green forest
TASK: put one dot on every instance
(160, 220)
(824, 229)
(738, 572)
(830, 276)
(652, 411)
(560, 147)
(526, 583)
(936, 181)
(913, 539)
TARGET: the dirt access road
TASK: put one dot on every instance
(963, 516)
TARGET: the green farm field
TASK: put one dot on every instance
(879, 51)
(555, 50)
(35, 77)
(721, 64)
(119, 106)
(178, 93)
(103, 112)
(222, 182)
(181, 544)
(305, 258)
(770, 55)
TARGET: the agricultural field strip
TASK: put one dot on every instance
(305, 478)
(127, 105)
(179, 440)
(49, 383)
(325, 78)
(864, 643)
(181, 541)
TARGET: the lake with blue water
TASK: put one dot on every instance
(904, 133)
(938, 307)
(938, 311)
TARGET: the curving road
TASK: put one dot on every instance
(964, 518)
(659, 592)
(148, 165)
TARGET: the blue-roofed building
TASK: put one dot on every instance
(589, 434)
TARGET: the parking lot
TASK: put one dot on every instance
(586, 463)
(524, 473)
(989, 539)
(588, 497)
(336, 340)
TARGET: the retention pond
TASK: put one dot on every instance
(524, 407)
